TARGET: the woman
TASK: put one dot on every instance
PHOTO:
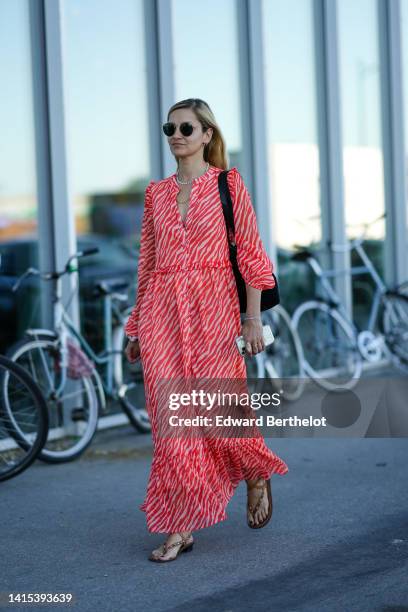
(185, 322)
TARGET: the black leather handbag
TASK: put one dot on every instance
(269, 297)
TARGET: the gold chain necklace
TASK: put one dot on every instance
(184, 201)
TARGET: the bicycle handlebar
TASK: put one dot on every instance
(301, 247)
(343, 248)
(369, 223)
(55, 275)
(338, 248)
(90, 251)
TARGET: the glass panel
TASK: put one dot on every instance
(362, 146)
(106, 113)
(293, 153)
(18, 190)
(210, 69)
(108, 146)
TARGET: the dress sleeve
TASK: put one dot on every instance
(253, 261)
(147, 257)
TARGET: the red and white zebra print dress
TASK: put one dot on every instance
(187, 317)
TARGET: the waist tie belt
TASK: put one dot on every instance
(193, 266)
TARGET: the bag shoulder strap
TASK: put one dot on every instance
(226, 201)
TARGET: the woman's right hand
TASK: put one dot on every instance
(132, 351)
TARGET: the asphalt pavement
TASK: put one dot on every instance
(337, 541)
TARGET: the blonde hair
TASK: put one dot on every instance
(215, 152)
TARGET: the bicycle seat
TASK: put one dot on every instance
(302, 255)
(108, 287)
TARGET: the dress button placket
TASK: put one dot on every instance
(187, 260)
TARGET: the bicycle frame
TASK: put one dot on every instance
(64, 326)
(368, 267)
(105, 357)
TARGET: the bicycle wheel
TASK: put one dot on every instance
(72, 410)
(284, 357)
(331, 355)
(395, 327)
(29, 412)
(129, 382)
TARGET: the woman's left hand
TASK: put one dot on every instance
(253, 336)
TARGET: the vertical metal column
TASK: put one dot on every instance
(46, 250)
(153, 88)
(55, 150)
(164, 72)
(330, 139)
(254, 116)
(160, 82)
(244, 87)
(396, 244)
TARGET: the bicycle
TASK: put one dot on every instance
(332, 344)
(63, 363)
(282, 361)
(23, 420)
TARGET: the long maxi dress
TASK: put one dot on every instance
(187, 317)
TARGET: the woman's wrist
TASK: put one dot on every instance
(250, 316)
(132, 338)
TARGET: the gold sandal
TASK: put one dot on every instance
(183, 548)
(253, 511)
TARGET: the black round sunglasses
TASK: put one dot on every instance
(186, 128)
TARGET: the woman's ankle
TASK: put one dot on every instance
(184, 534)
